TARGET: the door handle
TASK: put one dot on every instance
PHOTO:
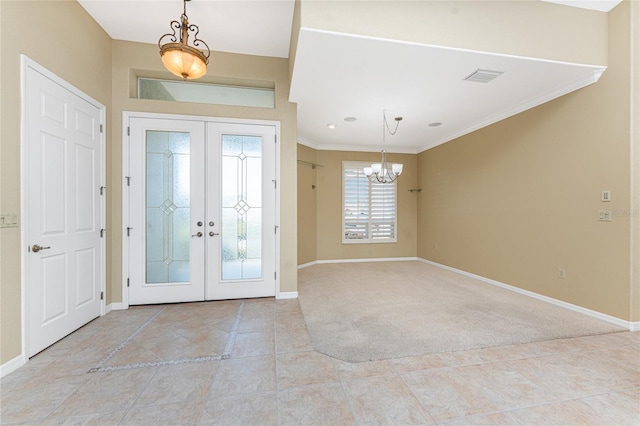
(36, 248)
(213, 234)
(199, 234)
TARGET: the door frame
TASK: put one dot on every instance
(25, 63)
(126, 116)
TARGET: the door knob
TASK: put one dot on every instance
(199, 234)
(211, 223)
(199, 223)
(213, 234)
(36, 248)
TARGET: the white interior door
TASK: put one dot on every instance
(241, 205)
(167, 202)
(202, 217)
(63, 161)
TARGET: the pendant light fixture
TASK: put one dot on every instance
(188, 62)
(383, 172)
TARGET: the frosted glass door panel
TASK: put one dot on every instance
(167, 206)
(241, 188)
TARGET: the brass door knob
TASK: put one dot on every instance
(36, 248)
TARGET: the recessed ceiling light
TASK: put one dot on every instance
(350, 119)
(331, 125)
(435, 124)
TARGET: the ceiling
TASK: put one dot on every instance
(338, 75)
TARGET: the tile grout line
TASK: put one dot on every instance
(225, 355)
(275, 361)
(125, 343)
(231, 340)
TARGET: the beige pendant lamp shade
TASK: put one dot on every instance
(178, 57)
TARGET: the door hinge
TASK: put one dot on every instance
(128, 179)
(128, 131)
(129, 231)
(102, 231)
(274, 275)
(127, 282)
(101, 128)
(102, 189)
(275, 183)
(275, 229)
(102, 295)
(275, 138)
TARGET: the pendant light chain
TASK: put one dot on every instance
(382, 172)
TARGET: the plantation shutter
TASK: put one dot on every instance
(356, 203)
(383, 211)
(369, 209)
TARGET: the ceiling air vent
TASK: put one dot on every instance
(483, 76)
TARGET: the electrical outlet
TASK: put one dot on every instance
(562, 274)
(606, 195)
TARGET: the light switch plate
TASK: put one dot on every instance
(8, 220)
(606, 195)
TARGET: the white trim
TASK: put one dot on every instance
(126, 171)
(604, 317)
(13, 365)
(634, 326)
(375, 259)
(287, 295)
(306, 265)
(117, 307)
(25, 63)
(357, 148)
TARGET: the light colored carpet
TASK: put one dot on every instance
(380, 310)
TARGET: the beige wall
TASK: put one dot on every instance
(635, 161)
(307, 205)
(518, 200)
(143, 59)
(43, 32)
(329, 208)
(524, 28)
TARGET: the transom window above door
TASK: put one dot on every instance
(369, 210)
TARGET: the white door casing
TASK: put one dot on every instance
(62, 208)
(207, 279)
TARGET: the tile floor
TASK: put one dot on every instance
(251, 363)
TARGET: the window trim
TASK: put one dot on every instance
(369, 240)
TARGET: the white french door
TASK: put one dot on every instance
(241, 205)
(167, 206)
(201, 210)
(63, 208)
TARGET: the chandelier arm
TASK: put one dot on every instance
(175, 25)
(197, 41)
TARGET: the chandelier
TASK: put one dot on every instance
(383, 172)
(177, 56)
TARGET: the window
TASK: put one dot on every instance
(369, 209)
(206, 93)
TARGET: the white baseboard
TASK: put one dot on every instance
(599, 315)
(287, 295)
(13, 365)
(374, 259)
(306, 265)
(116, 306)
